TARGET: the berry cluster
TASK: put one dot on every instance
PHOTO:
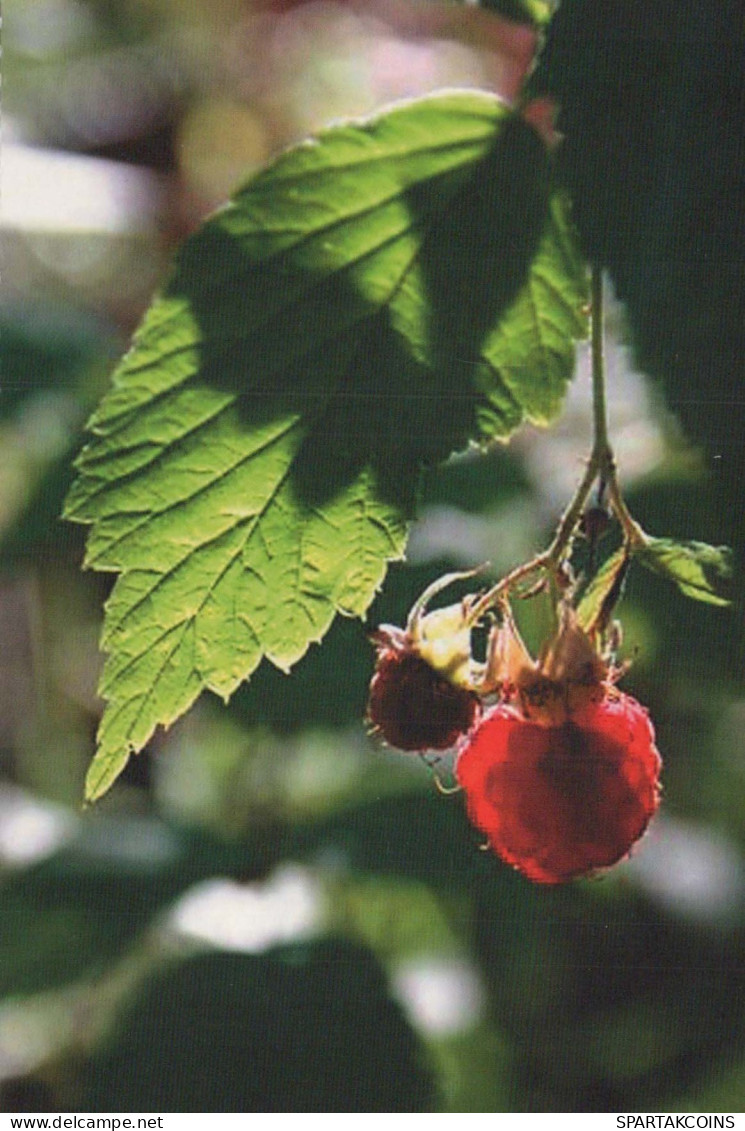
(559, 768)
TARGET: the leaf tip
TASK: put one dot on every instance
(103, 771)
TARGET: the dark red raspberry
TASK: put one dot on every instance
(415, 708)
(558, 802)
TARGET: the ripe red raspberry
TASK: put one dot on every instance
(413, 707)
(560, 801)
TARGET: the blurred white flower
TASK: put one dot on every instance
(441, 996)
(692, 870)
(30, 829)
(251, 917)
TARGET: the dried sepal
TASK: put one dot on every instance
(568, 673)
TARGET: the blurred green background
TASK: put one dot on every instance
(270, 912)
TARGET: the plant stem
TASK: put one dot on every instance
(602, 452)
(601, 448)
(601, 464)
(601, 461)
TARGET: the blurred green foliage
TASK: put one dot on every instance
(622, 993)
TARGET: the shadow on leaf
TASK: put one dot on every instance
(384, 379)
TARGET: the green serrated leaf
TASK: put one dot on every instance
(601, 587)
(700, 571)
(252, 471)
(531, 349)
(538, 12)
(237, 579)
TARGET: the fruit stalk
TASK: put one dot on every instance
(601, 466)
